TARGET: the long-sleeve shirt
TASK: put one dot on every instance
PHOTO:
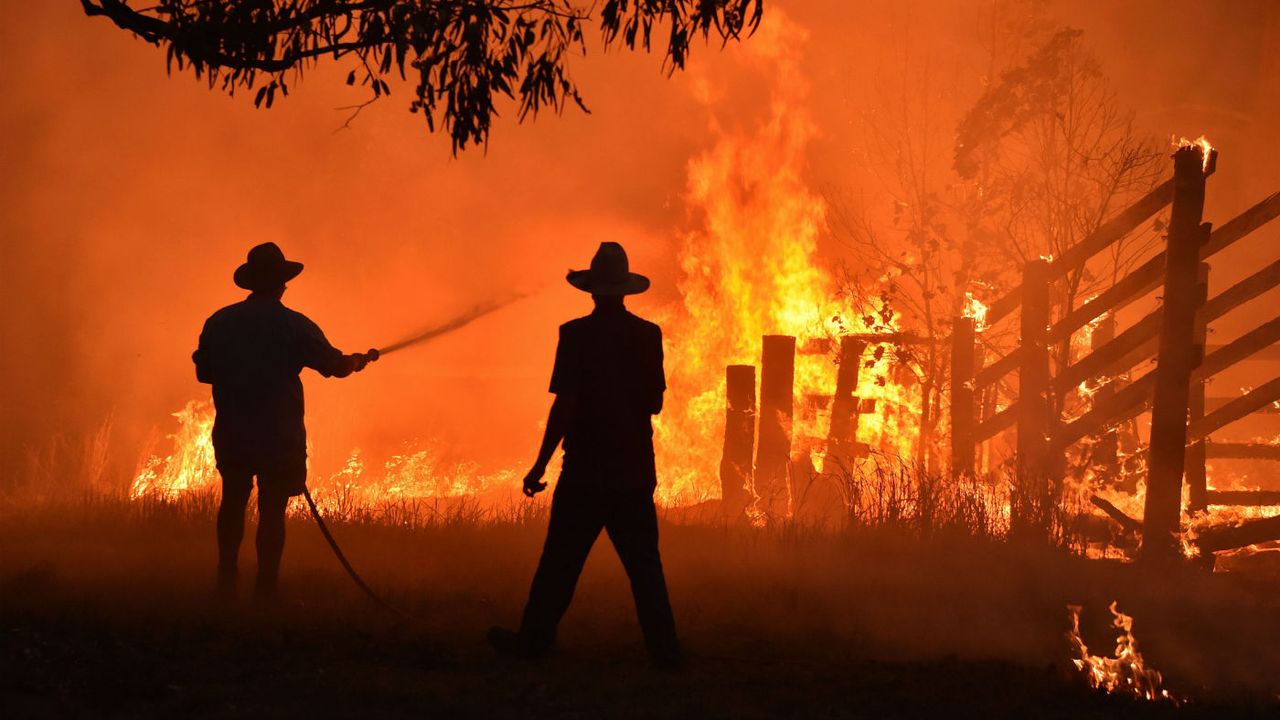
(252, 353)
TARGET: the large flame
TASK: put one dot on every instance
(752, 269)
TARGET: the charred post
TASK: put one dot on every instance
(1031, 502)
(1197, 477)
(845, 406)
(773, 452)
(963, 419)
(739, 437)
(1175, 359)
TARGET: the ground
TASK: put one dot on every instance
(107, 611)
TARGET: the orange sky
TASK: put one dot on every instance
(130, 196)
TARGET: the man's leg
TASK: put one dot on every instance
(575, 524)
(632, 525)
(272, 502)
(236, 487)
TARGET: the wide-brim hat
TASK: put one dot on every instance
(610, 274)
(266, 268)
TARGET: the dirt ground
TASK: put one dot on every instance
(107, 611)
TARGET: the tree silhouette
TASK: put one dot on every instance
(463, 54)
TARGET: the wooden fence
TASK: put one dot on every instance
(1174, 335)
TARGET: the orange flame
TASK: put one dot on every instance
(1125, 673)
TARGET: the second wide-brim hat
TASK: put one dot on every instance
(609, 274)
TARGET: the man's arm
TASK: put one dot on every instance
(321, 356)
(565, 378)
(558, 421)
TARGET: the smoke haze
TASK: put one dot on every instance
(129, 197)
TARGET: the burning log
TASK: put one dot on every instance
(1242, 498)
(1176, 358)
(739, 437)
(962, 404)
(773, 452)
(845, 406)
(1127, 523)
(1217, 538)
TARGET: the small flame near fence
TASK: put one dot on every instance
(1125, 673)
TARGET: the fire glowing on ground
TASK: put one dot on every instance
(1125, 673)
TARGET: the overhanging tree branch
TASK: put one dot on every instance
(466, 54)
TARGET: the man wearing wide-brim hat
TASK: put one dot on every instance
(252, 353)
(608, 382)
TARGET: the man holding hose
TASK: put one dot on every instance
(252, 353)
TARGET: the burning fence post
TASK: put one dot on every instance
(1106, 451)
(963, 337)
(1031, 502)
(845, 406)
(739, 437)
(1175, 359)
(773, 452)
(1197, 478)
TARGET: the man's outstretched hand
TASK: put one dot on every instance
(533, 483)
(363, 359)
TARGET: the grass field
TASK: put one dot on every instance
(107, 611)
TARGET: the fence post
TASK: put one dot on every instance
(773, 451)
(1031, 501)
(1106, 451)
(1175, 359)
(844, 404)
(962, 407)
(739, 437)
(1197, 478)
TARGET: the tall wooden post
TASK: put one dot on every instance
(773, 453)
(963, 416)
(1031, 503)
(1197, 477)
(1106, 450)
(739, 438)
(844, 404)
(1175, 359)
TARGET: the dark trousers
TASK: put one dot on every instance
(273, 498)
(577, 517)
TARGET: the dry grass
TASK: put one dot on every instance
(107, 603)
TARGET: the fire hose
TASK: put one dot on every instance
(372, 356)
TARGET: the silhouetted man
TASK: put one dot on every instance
(608, 382)
(252, 353)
